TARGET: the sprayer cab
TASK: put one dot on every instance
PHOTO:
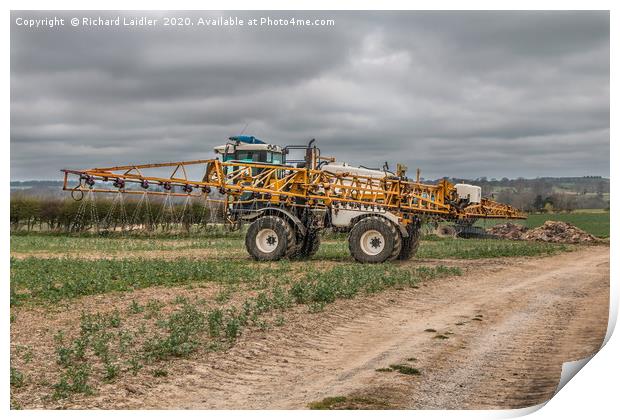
(249, 149)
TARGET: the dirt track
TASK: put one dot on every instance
(508, 329)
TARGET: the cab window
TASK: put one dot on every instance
(248, 156)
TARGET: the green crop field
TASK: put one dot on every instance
(84, 244)
(440, 248)
(333, 248)
(596, 223)
(49, 268)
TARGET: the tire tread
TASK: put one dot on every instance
(375, 222)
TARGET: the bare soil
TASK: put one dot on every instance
(495, 337)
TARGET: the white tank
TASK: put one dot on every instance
(473, 193)
(342, 167)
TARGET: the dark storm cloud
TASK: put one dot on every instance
(461, 94)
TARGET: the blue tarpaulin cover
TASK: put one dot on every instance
(246, 139)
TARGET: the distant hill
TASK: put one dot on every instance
(35, 184)
(559, 193)
(42, 188)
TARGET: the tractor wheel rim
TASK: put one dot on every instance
(267, 240)
(372, 242)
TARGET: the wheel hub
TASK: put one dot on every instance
(267, 240)
(372, 242)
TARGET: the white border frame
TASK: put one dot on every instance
(593, 392)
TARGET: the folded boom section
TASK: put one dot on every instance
(241, 183)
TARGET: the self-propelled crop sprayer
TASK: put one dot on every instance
(288, 202)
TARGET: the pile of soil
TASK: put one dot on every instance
(550, 231)
(559, 232)
(508, 231)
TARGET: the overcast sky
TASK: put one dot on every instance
(462, 94)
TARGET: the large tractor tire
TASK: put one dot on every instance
(308, 246)
(410, 243)
(374, 240)
(270, 238)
